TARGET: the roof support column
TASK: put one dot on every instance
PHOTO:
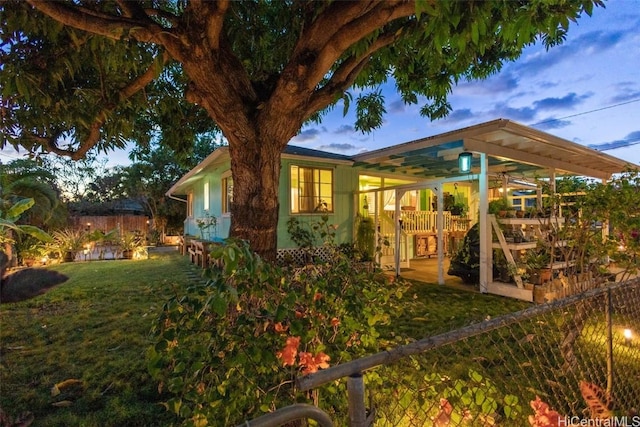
(398, 234)
(440, 237)
(486, 261)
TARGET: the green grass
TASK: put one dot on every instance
(95, 328)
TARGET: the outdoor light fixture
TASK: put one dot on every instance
(464, 161)
(627, 336)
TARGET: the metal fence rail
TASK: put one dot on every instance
(572, 353)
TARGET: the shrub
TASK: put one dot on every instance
(230, 349)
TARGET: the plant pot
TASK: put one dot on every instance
(520, 214)
(545, 275)
(127, 254)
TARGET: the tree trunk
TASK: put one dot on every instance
(254, 211)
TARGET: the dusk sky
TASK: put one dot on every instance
(586, 90)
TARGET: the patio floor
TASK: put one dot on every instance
(426, 270)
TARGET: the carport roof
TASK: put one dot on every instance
(512, 148)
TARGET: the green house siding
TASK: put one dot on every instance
(213, 176)
(345, 182)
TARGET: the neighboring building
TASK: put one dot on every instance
(412, 190)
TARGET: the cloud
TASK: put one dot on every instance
(339, 148)
(625, 91)
(632, 138)
(504, 82)
(552, 123)
(587, 44)
(344, 130)
(461, 115)
(397, 106)
(566, 102)
(502, 110)
(308, 135)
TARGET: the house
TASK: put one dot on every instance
(412, 191)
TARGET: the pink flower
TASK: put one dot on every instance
(543, 416)
(311, 363)
(289, 352)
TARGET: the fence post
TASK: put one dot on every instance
(608, 314)
(357, 408)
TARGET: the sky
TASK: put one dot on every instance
(586, 90)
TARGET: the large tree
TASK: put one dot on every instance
(79, 75)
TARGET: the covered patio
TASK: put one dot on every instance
(489, 159)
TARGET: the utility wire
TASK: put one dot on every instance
(587, 112)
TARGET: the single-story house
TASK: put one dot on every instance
(412, 191)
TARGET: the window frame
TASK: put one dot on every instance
(225, 203)
(318, 185)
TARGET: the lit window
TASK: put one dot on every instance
(206, 196)
(227, 193)
(190, 205)
(311, 190)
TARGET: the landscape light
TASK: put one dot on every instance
(464, 161)
(627, 336)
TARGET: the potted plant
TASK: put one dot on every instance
(131, 244)
(458, 209)
(499, 207)
(537, 264)
(67, 243)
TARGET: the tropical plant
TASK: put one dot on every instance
(365, 237)
(140, 72)
(9, 228)
(132, 245)
(498, 205)
(67, 243)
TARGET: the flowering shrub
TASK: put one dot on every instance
(230, 350)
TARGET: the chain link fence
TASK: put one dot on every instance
(579, 356)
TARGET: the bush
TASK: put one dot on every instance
(230, 350)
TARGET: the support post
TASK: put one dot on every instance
(486, 259)
(357, 407)
(609, 308)
(440, 236)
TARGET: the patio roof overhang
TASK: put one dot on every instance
(511, 148)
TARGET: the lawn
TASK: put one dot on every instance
(95, 329)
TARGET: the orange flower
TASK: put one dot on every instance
(279, 327)
(289, 352)
(311, 364)
(317, 296)
(335, 322)
(544, 416)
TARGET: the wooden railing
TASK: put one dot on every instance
(421, 222)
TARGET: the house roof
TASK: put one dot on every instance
(512, 148)
(221, 154)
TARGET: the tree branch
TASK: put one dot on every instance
(215, 21)
(135, 86)
(353, 32)
(345, 75)
(110, 26)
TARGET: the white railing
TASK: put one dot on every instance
(420, 222)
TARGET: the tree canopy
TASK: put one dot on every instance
(81, 75)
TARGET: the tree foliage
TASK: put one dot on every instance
(80, 75)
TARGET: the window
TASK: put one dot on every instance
(311, 190)
(227, 193)
(190, 205)
(206, 196)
